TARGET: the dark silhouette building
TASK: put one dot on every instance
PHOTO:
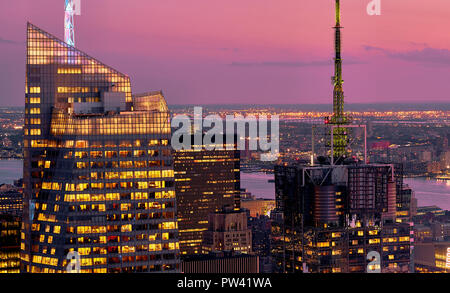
(331, 218)
(221, 263)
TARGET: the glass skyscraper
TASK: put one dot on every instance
(98, 170)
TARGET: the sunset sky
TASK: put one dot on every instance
(247, 51)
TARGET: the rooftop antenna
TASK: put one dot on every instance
(71, 8)
(339, 124)
(339, 118)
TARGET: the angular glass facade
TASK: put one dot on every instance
(98, 170)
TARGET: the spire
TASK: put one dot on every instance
(69, 34)
(71, 8)
(338, 95)
(340, 139)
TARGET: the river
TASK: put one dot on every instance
(427, 191)
(10, 170)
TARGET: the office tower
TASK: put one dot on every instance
(10, 222)
(206, 181)
(339, 215)
(406, 205)
(432, 257)
(406, 202)
(220, 263)
(260, 227)
(98, 172)
(9, 243)
(258, 207)
(330, 218)
(228, 231)
(11, 200)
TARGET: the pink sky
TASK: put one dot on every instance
(247, 51)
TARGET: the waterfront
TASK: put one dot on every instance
(427, 191)
(430, 191)
(10, 170)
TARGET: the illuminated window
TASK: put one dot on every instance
(35, 100)
(35, 90)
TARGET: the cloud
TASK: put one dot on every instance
(425, 55)
(11, 42)
(417, 44)
(230, 49)
(372, 48)
(327, 62)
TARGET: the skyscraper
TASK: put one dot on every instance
(341, 215)
(11, 202)
(206, 181)
(9, 243)
(331, 218)
(98, 171)
(228, 231)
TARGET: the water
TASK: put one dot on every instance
(10, 170)
(431, 192)
(258, 184)
(427, 191)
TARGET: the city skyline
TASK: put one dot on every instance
(109, 175)
(220, 53)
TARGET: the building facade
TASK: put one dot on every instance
(10, 223)
(9, 243)
(222, 263)
(228, 231)
(11, 202)
(258, 207)
(340, 218)
(206, 181)
(98, 170)
(432, 257)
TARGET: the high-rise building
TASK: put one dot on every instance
(220, 263)
(11, 202)
(10, 223)
(260, 227)
(228, 231)
(340, 215)
(98, 171)
(9, 243)
(432, 257)
(331, 218)
(206, 181)
(258, 207)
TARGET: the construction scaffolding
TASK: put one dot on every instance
(323, 144)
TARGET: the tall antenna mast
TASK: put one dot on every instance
(71, 8)
(339, 123)
(340, 140)
(338, 94)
